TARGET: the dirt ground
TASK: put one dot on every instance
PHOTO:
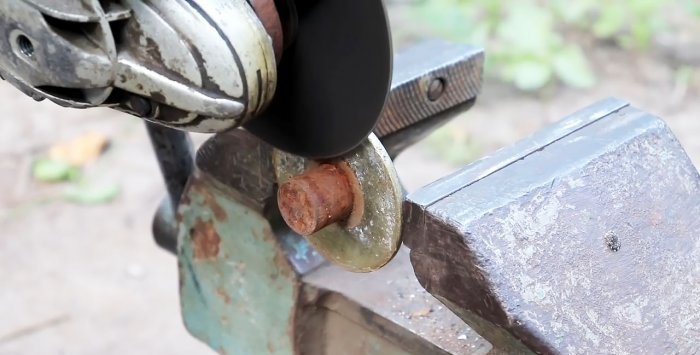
(90, 280)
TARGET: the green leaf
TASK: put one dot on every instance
(611, 21)
(49, 170)
(91, 194)
(572, 68)
(529, 75)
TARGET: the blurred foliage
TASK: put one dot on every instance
(65, 164)
(52, 170)
(79, 189)
(453, 145)
(91, 194)
(526, 40)
(693, 7)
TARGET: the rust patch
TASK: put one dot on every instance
(203, 187)
(223, 295)
(313, 200)
(210, 202)
(205, 240)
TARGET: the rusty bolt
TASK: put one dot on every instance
(315, 199)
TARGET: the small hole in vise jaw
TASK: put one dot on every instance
(612, 242)
(436, 88)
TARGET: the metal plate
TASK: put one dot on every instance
(333, 82)
(374, 241)
(238, 292)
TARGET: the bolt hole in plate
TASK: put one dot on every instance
(372, 241)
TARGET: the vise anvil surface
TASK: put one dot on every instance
(581, 239)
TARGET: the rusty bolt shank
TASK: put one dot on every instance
(315, 199)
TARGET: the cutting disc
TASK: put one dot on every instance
(332, 81)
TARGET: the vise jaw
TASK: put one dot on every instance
(581, 239)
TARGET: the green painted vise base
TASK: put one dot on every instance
(250, 286)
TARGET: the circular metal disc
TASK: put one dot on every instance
(332, 82)
(374, 241)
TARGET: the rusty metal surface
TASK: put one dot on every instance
(315, 199)
(228, 275)
(244, 292)
(237, 289)
(241, 161)
(582, 239)
(374, 238)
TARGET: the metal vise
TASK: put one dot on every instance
(579, 239)
(249, 285)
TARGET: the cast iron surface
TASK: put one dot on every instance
(582, 239)
(333, 80)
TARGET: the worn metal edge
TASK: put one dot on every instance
(480, 169)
